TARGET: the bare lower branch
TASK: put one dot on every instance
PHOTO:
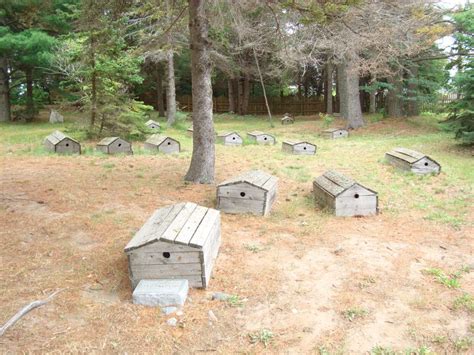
(22, 312)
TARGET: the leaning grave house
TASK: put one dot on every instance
(179, 241)
(261, 137)
(411, 160)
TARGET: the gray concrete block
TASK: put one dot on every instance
(163, 293)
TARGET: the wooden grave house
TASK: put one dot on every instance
(261, 137)
(252, 192)
(287, 119)
(343, 196)
(230, 138)
(58, 142)
(153, 125)
(179, 241)
(298, 147)
(411, 160)
(335, 133)
(114, 145)
(162, 144)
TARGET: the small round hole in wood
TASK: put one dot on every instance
(67, 144)
(233, 138)
(426, 164)
(356, 196)
(169, 143)
(242, 194)
(304, 148)
(265, 138)
(340, 132)
(120, 144)
(166, 255)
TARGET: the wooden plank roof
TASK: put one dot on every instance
(410, 156)
(182, 223)
(151, 122)
(298, 142)
(225, 134)
(158, 139)
(336, 183)
(107, 140)
(58, 136)
(332, 130)
(256, 178)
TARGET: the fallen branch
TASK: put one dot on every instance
(26, 310)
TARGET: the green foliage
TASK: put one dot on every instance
(264, 336)
(466, 301)
(450, 280)
(461, 116)
(354, 313)
(101, 68)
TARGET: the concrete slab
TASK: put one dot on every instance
(162, 293)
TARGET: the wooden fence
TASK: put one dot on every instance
(279, 105)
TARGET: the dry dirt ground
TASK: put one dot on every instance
(305, 281)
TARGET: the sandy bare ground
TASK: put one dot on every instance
(297, 273)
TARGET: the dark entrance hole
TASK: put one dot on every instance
(304, 148)
(265, 138)
(356, 196)
(67, 144)
(120, 144)
(169, 143)
(233, 138)
(242, 194)
(426, 164)
(166, 255)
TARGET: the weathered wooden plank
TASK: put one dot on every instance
(411, 153)
(151, 271)
(349, 206)
(236, 205)
(202, 233)
(210, 252)
(191, 225)
(407, 158)
(242, 190)
(271, 183)
(162, 247)
(166, 257)
(148, 231)
(178, 222)
(329, 186)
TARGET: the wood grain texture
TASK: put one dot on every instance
(251, 192)
(177, 241)
(343, 196)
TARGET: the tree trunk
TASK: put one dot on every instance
(341, 89)
(245, 96)
(160, 100)
(5, 112)
(351, 98)
(93, 85)
(413, 108)
(30, 104)
(240, 95)
(202, 166)
(232, 95)
(394, 101)
(171, 91)
(328, 88)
